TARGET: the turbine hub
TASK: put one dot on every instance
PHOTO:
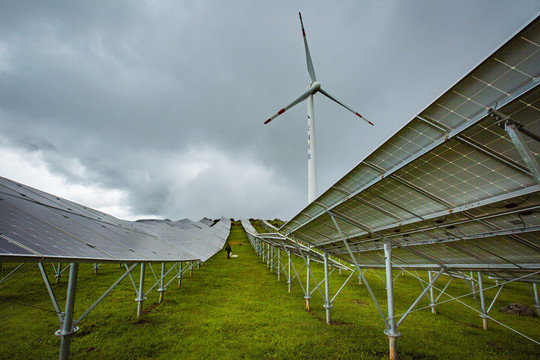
(315, 86)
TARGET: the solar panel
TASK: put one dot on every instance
(286, 244)
(36, 226)
(451, 188)
(206, 221)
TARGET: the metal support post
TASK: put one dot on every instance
(272, 259)
(96, 268)
(289, 271)
(179, 274)
(360, 273)
(191, 269)
(391, 330)
(58, 273)
(473, 287)
(162, 289)
(524, 151)
(431, 297)
(268, 256)
(327, 301)
(67, 328)
(279, 264)
(140, 298)
(308, 271)
(51, 293)
(537, 302)
(482, 301)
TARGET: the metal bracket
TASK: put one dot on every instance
(515, 131)
(392, 335)
(61, 333)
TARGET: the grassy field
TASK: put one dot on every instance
(236, 309)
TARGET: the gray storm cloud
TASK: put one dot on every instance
(165, 100)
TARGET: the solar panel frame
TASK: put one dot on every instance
(450, 162)
(39, 227)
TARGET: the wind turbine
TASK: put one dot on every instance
(313, 88)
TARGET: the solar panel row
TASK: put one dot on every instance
(286, 244)
(451, 188)
(36, 226)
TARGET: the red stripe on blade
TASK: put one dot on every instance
(281, 111)
(267, 121)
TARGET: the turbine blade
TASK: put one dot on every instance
(299, 99)
(310, 68)
(345, 106)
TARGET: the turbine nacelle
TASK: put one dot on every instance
(314, 87)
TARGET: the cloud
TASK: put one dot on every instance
(159, 105)
(30, 167)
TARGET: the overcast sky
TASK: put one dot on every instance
(156, 108)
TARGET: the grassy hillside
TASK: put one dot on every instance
(236, 308)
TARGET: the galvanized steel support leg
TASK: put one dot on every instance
(68, 329)
(308, 270)
(272, 260)
(289, 271)
(278, 264)
(431, 297)
(473, 287)
(179, 274)
(51, 293)
(140, 298)
(536, 300)
(111, 288)
(353, 258)
(521, 146)
(96, 268)
(191, 269)
(59, 273)
(327, 301)
(162, 289)
(482, 301)
(391, 330)
(268, 256)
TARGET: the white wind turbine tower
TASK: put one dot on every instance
(313, 88)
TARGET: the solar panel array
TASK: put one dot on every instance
(281, 242)
(37, 226)
(450, 189)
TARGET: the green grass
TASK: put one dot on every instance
(236, 309)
